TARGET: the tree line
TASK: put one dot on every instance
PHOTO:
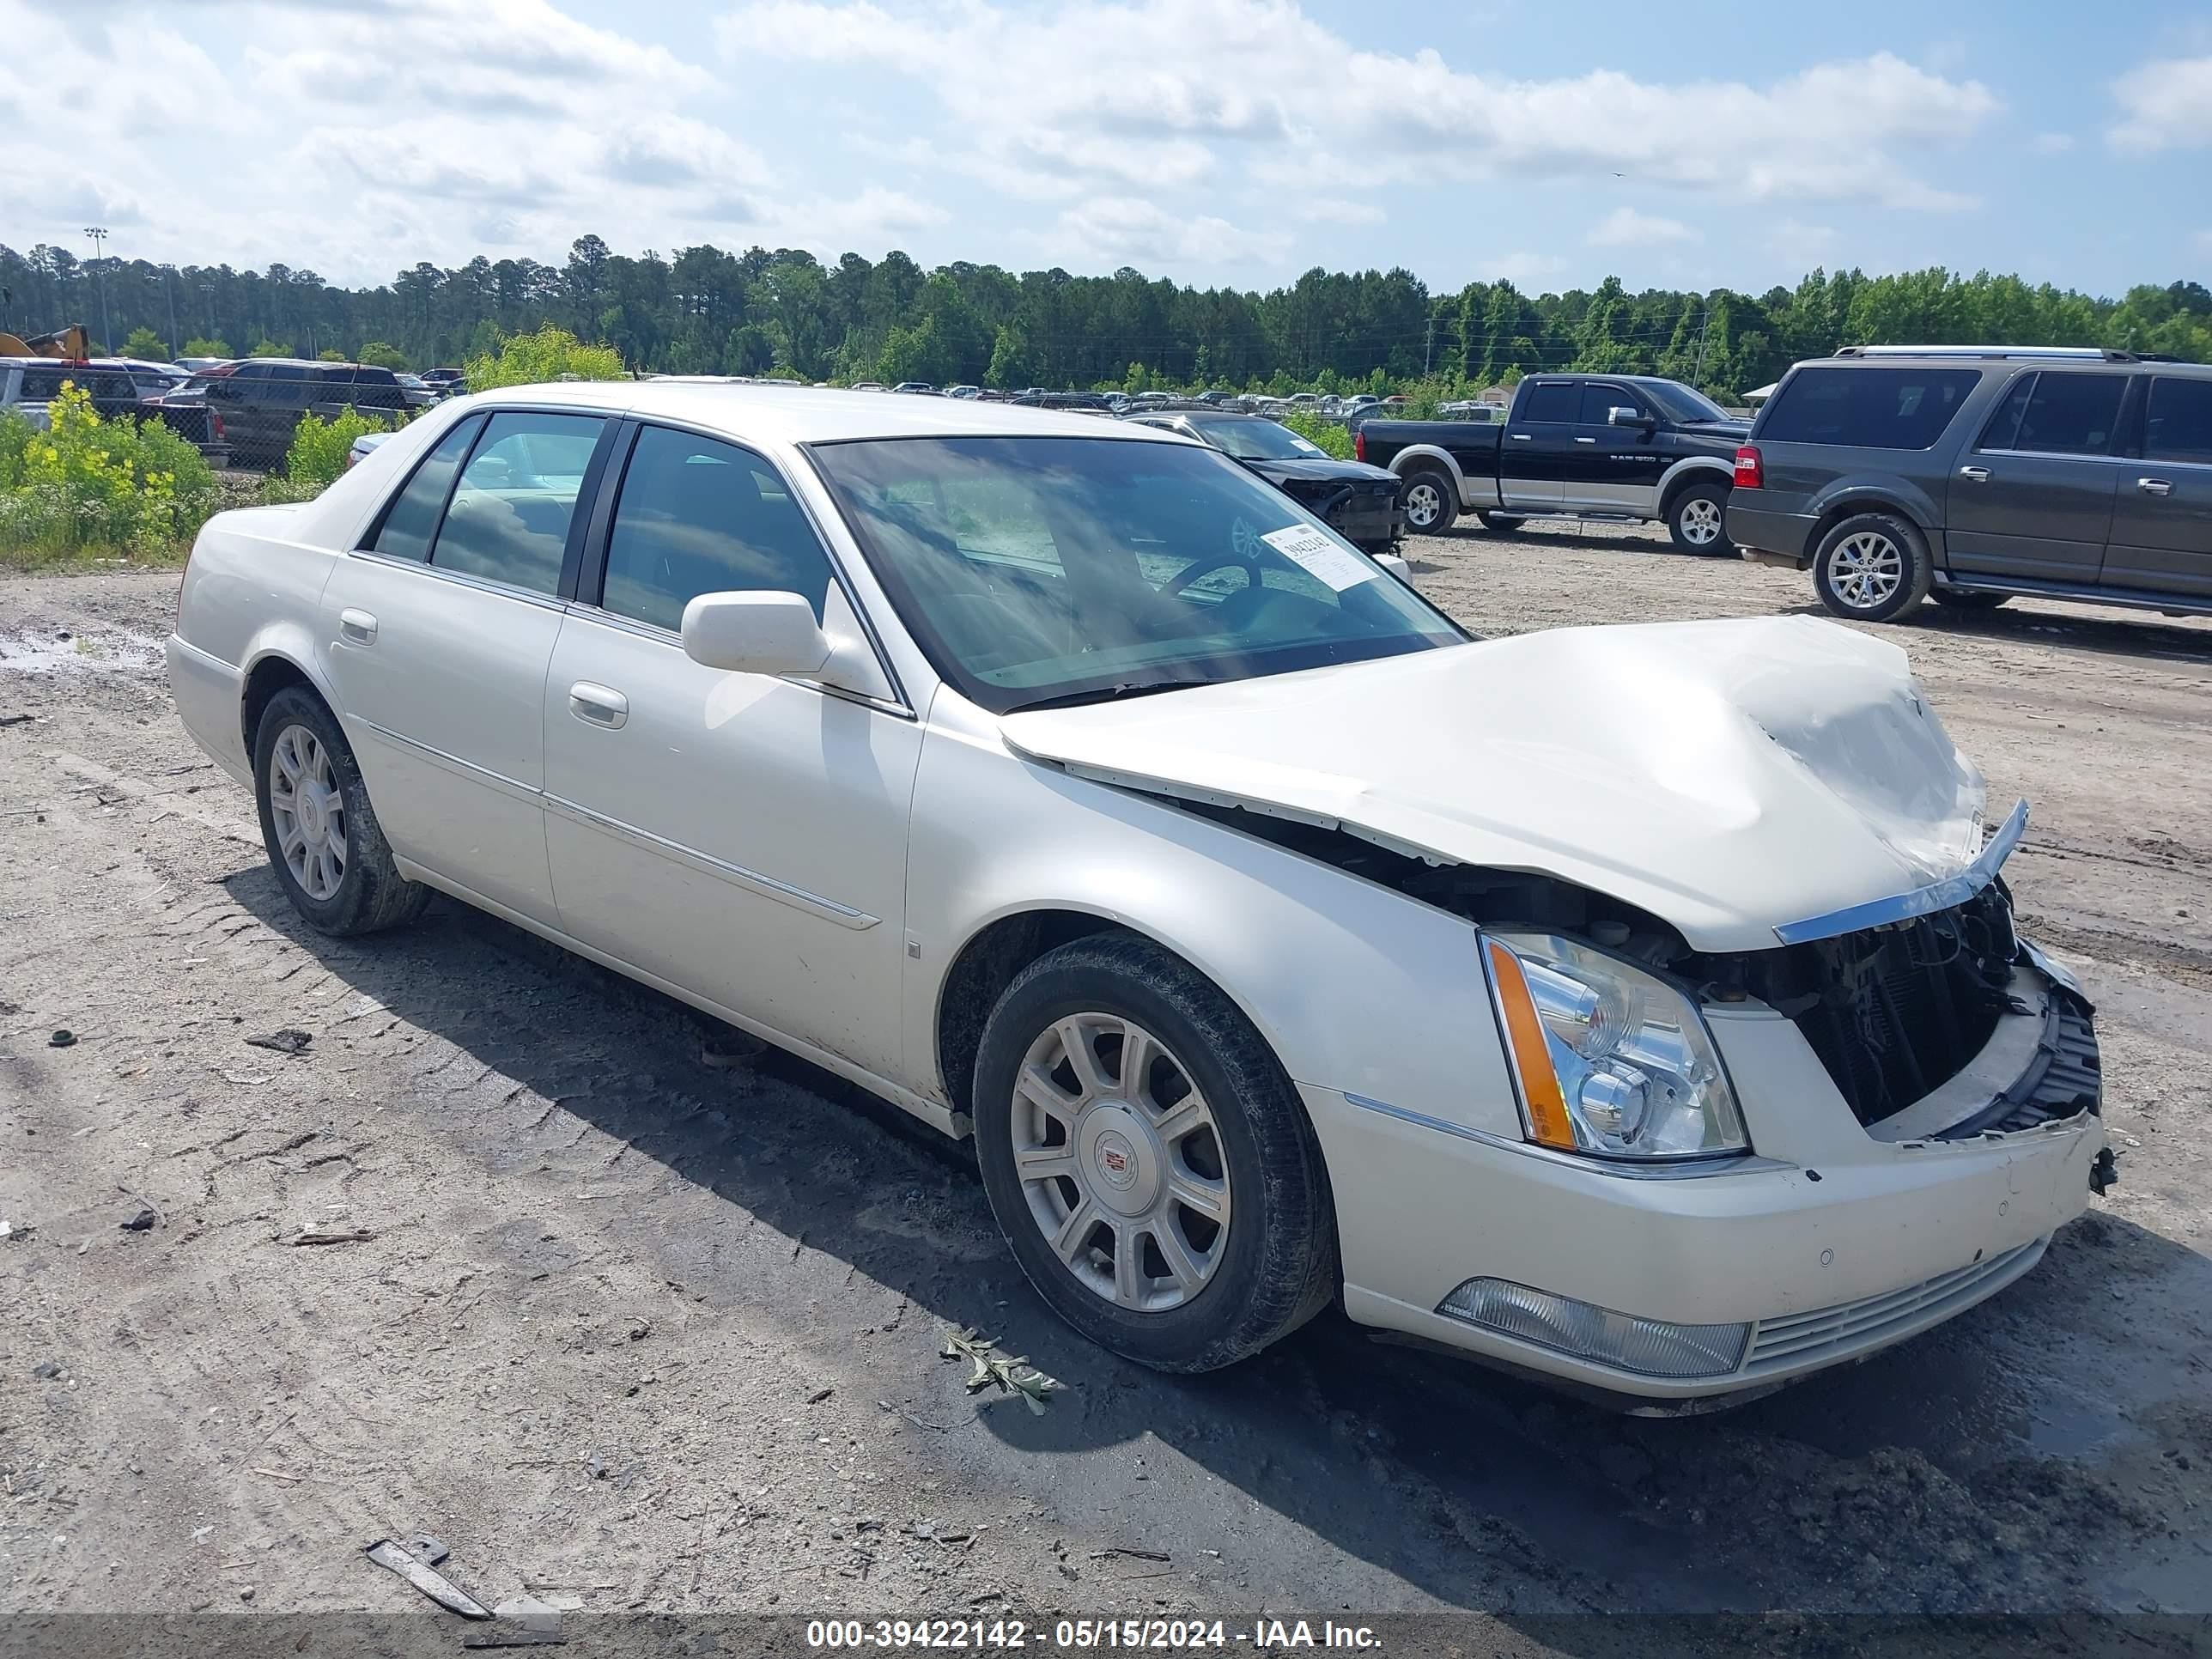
(709, 311)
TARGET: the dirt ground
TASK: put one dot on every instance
(650, 1333)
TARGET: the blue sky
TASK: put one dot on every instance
(1237, 142)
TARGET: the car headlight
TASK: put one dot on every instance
(1609, 1059)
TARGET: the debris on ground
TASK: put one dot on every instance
(819, 1395)
(289, 1040)
(16, 719)
(141, 1222)
(63, 1038)
(430, 1550)
(9, 1230)
(725, 1050)
(48, 1371)
(1012, 1374)
(520, 1621)
(434, 1584)
(312, 1234)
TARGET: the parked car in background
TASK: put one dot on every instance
(365, 446)
(1968, 474)
(193, 364)
(152, 379)
(869, 386)
(916, 388)
(964, 392)
(1359, 503)
(261, 399)
(446, 379)
(28, 387)
(419, 393)
(1573, 445)
(1279, 944)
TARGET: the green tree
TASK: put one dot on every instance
(548, 354)
(144, 342)
(377, 354)
(269, 349)
(206, 348)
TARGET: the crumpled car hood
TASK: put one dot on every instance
(1729, 777)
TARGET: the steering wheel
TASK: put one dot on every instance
(1203, 566)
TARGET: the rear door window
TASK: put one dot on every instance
(1553, 401)
(2179, 425)
(2071, 414)
(412, 519)
(509, 519)
(1867, 408)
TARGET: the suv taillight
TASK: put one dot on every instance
(214, 420)
(1750, 470)
(1359, 445)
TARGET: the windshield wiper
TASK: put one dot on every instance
(1110, 693)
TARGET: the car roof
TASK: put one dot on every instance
(800, 414)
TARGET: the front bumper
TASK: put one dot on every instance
(1829, 1244)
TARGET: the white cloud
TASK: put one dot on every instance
(1144, 89)
(2166, 106)
(1121, 230)
(1336, 210)
(2052, 143)
(1800, 243)
(1626, 227)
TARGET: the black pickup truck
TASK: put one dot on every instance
(1573, 445)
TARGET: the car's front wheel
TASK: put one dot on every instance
(329, 856)
(1149, 1159)
(1432, 503)
(1871, 567)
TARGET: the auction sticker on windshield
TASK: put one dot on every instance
(1319, 556)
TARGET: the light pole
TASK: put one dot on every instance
(99, 234)
(169, 288)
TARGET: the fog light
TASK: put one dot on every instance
(1650, 1348)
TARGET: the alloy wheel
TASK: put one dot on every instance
(1700, 519)
(1865, 570)
(1120, 1161)
(1424, 504)
(309, 809)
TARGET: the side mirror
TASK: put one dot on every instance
(1620, 415)
(754, 633)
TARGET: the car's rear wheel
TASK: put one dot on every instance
(1967, 598)
(1500, 524)
(1148, 1159)
(1697, 519)
(329, 856)
(1871, 567)
(1432, 502)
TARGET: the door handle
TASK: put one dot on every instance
(1975, 474)
(357, 626)
(1585, 441)
(2155, 486)
(1521, 437)
(600, 705)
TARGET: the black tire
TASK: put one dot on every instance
(1967, 598)
(1697, 519)
(370, 893)
(1500, 524)
(1432, 502)
(1872, 567)
(1277, 1262)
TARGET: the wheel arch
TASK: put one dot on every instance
(1690, 470)
(270, 666)
(1848, 501)
(1418, 458)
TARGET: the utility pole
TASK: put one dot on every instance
(169, 288)
(1429, 349)
(99, 234)
(1697, 374)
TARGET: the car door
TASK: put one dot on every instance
(1612, 469)
(2033, 499)
(437, 633)
(1532, 462)
(741, 836)
(2162, 539)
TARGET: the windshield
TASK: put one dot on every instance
(1683, 402)
(1040, 570)
(1257, 440)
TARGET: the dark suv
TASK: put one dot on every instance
(261, 399)
(1968, 474)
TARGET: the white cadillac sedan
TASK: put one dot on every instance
(1636, 1005)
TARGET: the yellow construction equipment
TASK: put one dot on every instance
(72, 344)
